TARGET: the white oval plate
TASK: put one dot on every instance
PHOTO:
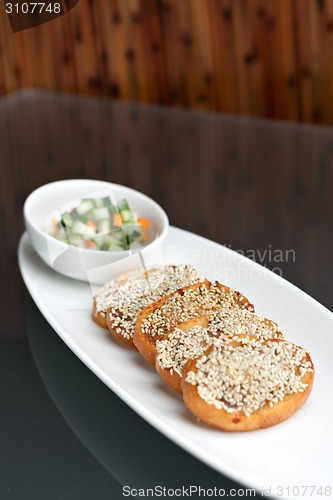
(294, 454)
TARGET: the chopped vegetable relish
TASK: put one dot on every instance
(98, 224)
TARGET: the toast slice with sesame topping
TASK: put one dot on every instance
(187, 341)
(201, 299)
(102, 297)
(191, 339)
(129, 298)
(247, 384)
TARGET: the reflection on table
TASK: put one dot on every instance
(129, 448)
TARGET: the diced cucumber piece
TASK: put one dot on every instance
(99, 203)
(84, 218)
(99, 239)
(114, 244)
(61, 235)
(66, 219)
(128, 225)
(129, 216)
(117, 234)
(78, 227)
(134, 217)
(74, 214)
(75, 239)
(126, 216)
(107, 201)
(100, 213)
(104, 226)
(123, 205)
(84, 207)
(132, 233)
(88, 233)
(115, 248)
(89, 200)
(127, 242)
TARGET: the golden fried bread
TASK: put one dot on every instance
(128, 299)
(188, 302)
(247, 384)
(235, 369)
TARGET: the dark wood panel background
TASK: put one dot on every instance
(269, 58)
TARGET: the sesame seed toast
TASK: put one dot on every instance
(200, 299)
(192, 338)
(171, 369)
(127, 301)
(101, 298)
(247, 384)
(235, 369)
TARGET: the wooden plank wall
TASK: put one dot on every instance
(269, 58)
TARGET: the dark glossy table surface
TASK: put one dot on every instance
(263, 188)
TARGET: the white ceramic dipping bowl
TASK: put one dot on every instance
(94, 266)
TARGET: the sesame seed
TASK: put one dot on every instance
(237, 321)
(180, 346)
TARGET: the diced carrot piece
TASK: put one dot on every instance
(143, 221)
(145, 232)
(117, 221)
(55, 230)
(90, 244)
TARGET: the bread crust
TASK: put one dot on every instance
(170, 377)
(145, 343)
(98, 317)
(239, 422)
(120, 335)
